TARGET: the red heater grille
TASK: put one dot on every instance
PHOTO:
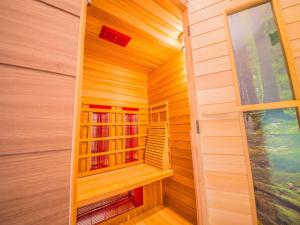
(98, 162)
(103, 210)
(114, 36)
(131, 156)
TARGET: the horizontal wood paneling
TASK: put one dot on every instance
(209, 38)
(168, 83)
(223, 200)
(226, 217)
(290, 11)
(228, 188)
(110, 84)
(224, 163)
(72, 6)
(38, 36)
(152, 27)
(37, 110)
(34, 188)
(38, 67)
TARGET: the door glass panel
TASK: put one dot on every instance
(274, 148)
(260, 62)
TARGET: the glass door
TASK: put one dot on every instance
(270, 109)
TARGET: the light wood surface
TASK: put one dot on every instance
(37, 110)
(159, 215)
(38, 68)
(100, 186)
(35, 188)
(223, 145)
(157, 148)
(169, 83)
(49, 36)
(108, 84)
(152, 197)
(71, 6)
(153, 26)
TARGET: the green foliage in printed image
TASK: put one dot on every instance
(274, 148)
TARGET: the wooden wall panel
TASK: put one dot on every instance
(290, 12)
(168, 83)
(38, 55)
(35, 188)
(38, 110)
(106, 83)
(227, 183)
(36, 35)
(72, 6)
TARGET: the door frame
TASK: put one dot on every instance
(201, 208)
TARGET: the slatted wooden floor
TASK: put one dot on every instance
(158, 216)
(104, 185)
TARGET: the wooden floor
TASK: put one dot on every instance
(96, 187)
(158, 216)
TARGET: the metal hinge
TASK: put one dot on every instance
(188, 30)
(197, 127)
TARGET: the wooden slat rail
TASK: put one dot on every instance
(112, 136)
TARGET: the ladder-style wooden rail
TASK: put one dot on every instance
(111, 137)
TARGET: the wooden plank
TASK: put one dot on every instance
(222, 145)
(227, 182)
(288, 3)
(208, 25)
(215, 80)
(37, 112)
(216, 95)
(48, 41)
(220, 128)
(292, 30)
(209, 38)
(212, 51)
(213, 66)
(115, 182)
(291, 14)
(225, 163)
(35, 188)
(225, 217)
(160, 215)
(67, 5)
(228, 201)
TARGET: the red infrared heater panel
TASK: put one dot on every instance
(114, 36)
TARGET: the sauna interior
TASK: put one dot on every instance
(134, 160)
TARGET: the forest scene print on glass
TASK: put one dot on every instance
(273, 135)
(274, 147)
(260, 62)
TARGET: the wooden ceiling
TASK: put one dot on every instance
(154, 26)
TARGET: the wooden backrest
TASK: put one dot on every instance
(157, 148)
